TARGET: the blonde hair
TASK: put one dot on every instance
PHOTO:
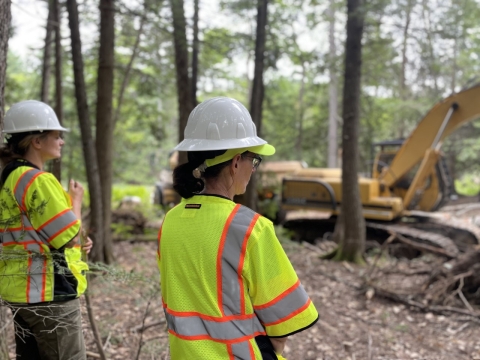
(18, 145)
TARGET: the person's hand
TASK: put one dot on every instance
(279, 344)
(75, 189)
(88, 245)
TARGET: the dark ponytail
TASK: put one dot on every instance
(184, 183)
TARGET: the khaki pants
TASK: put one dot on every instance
(49, 331)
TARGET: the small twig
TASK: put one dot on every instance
(456, 292)
(94, 355)
(369, 350)
(424, 247)
(382, 249)
(454, 332)
(142, 327)
(140, 342)
(93, 325)
(91, 317)
(107, 341)
(475, 316)
(465, 301)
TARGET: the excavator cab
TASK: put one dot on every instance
(438, 184)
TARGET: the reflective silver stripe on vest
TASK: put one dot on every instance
(35, 274)
(20, 236)
(21, 185)
(221, 331)
(241, 351)
(231, 292)
(59, 223)
(285, 307)
(50, 229)
(231, 330)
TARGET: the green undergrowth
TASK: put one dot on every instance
(468, 185)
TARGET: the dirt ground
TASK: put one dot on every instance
(353, 324)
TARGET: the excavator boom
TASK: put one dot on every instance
(402, 197)
(466, 107)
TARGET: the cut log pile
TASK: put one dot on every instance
(131, 222)
(450, 285)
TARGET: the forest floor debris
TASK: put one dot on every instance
(356, 322)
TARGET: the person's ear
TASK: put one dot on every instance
(36, 142)
(235, 161)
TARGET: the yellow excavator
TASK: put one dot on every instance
(409, 182)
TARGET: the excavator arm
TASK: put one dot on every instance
(423, 145)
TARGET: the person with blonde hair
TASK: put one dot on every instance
(41, 272)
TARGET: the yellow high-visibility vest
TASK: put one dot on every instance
(225, 279)
(36, 221)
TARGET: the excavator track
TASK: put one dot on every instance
(453, 235)
(460, 229)
(430, 238)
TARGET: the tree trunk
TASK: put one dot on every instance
(301, 111)
(256, 101)
(128, 70)
(57, 163)
(105, 125)
(5, 19)
(195, 51)
(47, 57)
(332, 91)
(96, 226)
(432, 57)
(403, 71)
(184, 96)
(352, 244)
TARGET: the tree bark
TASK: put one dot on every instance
(128, 70)
(406, 29)
(5, 19)
(57, 163)
(184, 96)
(258, 91)
(105, 125)
(352, 244)
(96, 226)
(47, 57)
(301, 112)
(332, 91)
(195, 51)
(432, 58)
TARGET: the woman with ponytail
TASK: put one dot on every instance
(228, 288)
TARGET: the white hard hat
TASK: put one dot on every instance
(220, 123)
(31, 115)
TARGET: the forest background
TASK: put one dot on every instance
(414, 53)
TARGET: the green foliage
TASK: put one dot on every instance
(468, 185)
(120, 230)
(442, 55)
(120, 191)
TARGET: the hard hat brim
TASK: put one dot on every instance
(265, 150)
(189, 144)
(18, 131)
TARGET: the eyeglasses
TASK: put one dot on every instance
(256, 160)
